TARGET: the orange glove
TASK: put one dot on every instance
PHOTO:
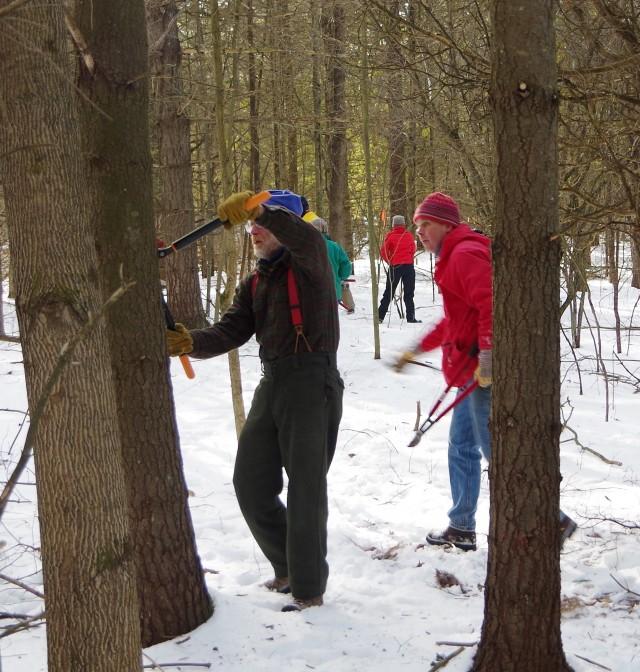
(403, 360)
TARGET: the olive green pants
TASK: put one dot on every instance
(293, 424)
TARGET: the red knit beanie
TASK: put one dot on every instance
(438, 207)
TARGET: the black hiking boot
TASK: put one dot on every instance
(413, 320)
(465, 540)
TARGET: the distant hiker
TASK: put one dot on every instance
(307, 214)
(463, 274)
(289, 304)
(340, 265)
(398, 250)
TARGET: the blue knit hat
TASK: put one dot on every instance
(285, 199)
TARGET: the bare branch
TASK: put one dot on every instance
(593, 662)
(613, 66)
(81, 43)
(20, 584)
(11, 7)
(443, 661)
(584, 448)
(25, 625)
(626, 588)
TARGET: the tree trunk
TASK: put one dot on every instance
(397, 133)
(173, 595)
(175, 202)
(521, 629)
(635, 257)
(230, 249)
(334, 31)
(373, 248)
(254, 137)
(316, 96)
(274, 40)
(86, 548)
(2, 331)
(610, 249)
(415, 143)
(206, 160)
(615, 281)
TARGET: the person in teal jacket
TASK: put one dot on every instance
(338, 258)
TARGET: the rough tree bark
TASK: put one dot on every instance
(521, 629)
(86, 548)
(334, 30)
(174, 211)
(172, 593)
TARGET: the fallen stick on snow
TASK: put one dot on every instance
(593, 662)
(160, 666)
(445, 661)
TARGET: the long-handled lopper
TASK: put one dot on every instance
(171, 324)
(188, 239)
(204, 229)
(431, 420)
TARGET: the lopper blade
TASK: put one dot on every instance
(416, 439)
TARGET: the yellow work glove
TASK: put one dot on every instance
(483, 373)
(179, 341)
(232, 210)
(403, 360)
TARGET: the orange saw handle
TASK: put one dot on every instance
(171, 324)
(186, 365)
(255, 200)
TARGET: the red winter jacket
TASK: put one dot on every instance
(463, 274)
(398, 247)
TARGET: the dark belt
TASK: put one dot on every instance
(299, 361)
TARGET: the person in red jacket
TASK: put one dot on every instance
(397, 250)
(463, 274)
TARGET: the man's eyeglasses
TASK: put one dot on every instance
(251, 227)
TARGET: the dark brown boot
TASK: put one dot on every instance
(300, 605)
(279, 584)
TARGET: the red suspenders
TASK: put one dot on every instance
(294, 305)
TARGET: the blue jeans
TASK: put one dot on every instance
(469, 439)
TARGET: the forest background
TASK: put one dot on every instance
(363, 108)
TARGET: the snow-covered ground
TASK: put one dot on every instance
(384, 609)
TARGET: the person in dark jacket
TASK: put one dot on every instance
(289, 303)
(463, 274)
(398, 250)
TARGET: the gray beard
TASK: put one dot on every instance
(265, 253)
